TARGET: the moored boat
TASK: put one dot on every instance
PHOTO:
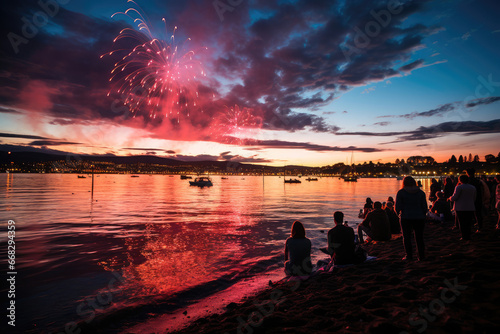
(201, 182)
(292, 181)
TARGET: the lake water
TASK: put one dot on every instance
(155, 245)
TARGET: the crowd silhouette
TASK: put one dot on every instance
(465, 200)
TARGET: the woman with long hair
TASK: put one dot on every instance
(298, 252)
(411, 205)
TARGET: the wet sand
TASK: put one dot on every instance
(455, 290)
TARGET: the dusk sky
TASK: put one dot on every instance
(278, 82)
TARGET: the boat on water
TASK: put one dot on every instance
(201, 182)
(224, 178)
(185, 177)
(82, 177)
(134, 175)
(350, 178)
(293, 181)
(312, 179)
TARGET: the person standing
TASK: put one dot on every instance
(464, 197)
(479, 197)
(497, 205)
(298, 252)
(411, 205)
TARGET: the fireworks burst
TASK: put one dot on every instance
(154, 77)
(236, 126)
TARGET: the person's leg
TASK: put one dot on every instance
(362, 228)
(479, 215)
(498, 222)
(460, 217)
(457, 224)
(406, 228)
(469, 219)
(418, 227)
(465, 222)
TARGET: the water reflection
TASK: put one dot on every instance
(165, 236)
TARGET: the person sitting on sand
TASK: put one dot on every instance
(367, 207)
(298, 252)
(435, 187)
(440, 209)
(411, 205)
(341, 241)
(464, 199)
(376, 225)
(393, 218)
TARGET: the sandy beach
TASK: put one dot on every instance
(455, 290)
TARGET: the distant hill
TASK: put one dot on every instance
(21, 154)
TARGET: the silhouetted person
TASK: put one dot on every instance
(449, 188)
(478, 203)
(440, 209)
(367, 207)
(341, 241)
(298, 252)
(435, 187)
(411, 204)
(393, 218)
(376, 225)
(464, 199)
(497, 204)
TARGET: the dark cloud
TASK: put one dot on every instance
(15, 135)
(429, 113)
(467, 128)
(382, 123)
(288, 63)
(411, 66)
(281, 144)
(143, 149)
(8, 110)
(291, 60)
(485, 100)
(51, 143)
(238, 158)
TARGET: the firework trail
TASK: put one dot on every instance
(236, 126)
(154, 77)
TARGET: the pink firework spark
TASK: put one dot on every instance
(236, 126)
(154, 77)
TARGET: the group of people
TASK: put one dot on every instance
(407, 215)
(469, 197)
